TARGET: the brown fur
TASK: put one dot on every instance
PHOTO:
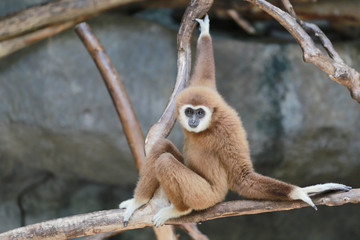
(215, 160)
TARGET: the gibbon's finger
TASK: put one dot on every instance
(204, 24)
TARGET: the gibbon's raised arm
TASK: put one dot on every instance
(204, 68)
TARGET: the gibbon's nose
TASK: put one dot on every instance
(194, 121)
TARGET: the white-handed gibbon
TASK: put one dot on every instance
(216, 154)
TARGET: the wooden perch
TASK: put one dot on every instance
(112, 220)
(331, 64)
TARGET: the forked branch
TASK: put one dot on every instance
(112, 220)
(332, 64)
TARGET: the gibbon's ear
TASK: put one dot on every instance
(204, 67)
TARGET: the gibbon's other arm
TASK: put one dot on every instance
(148, 183)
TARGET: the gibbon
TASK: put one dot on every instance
(216, 154)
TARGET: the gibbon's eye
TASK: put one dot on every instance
(201, 113)
(189, 112)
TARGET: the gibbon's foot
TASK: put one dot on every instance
(166, 213)
(130, 205)
(303, 193)
(204, 24)
(320, 188)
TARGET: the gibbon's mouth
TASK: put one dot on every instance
(193, 121)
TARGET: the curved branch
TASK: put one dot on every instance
(333, 65)
(112, 220)
(161, 129)
(117, 92)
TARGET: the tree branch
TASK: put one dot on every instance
(117, 92)
(241, 21)
(333, 65)
(161, 129)
(112, 220)
(53, 12)
(14, 44)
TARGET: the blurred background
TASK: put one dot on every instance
(63, 151)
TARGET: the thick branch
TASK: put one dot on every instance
(112, 220)
(334, 67)
(54, 12)
(12, 45)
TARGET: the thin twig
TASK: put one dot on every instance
(192, 230)
(241, 21)
(312, 28)
(112, 220)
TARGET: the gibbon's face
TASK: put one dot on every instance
(195, 118)
(195, 108)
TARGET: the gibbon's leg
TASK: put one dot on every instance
(148, 183)
(257, 186)
(204, 67)
(184, 188)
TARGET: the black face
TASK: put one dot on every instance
(194, 116)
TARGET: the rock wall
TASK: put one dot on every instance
(63, 151)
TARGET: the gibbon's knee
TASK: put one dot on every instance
(184, 188)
